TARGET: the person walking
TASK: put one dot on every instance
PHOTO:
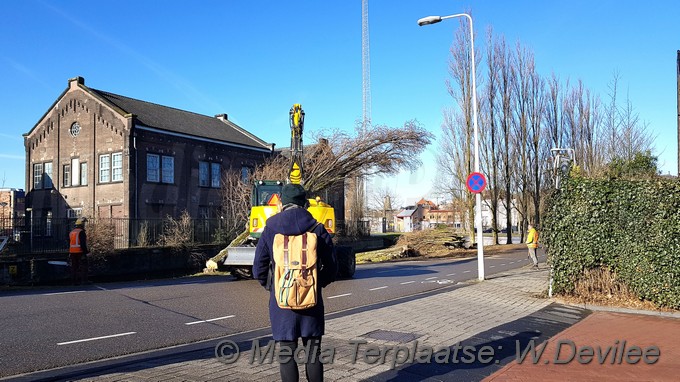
(532, 244)
(288, 325)
(77, 252)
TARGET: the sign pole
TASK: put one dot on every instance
(476, 183)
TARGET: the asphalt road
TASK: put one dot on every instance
(64, 326)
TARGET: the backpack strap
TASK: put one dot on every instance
(304, 255)
(286, 260)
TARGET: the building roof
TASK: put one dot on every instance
(180, 121)
(427, 203)
(405, 213)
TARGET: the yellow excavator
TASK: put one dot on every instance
(266, 193)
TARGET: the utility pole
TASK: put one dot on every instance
(359, 183)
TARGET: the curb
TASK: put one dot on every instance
(616, 309)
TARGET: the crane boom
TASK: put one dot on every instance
(297, 123)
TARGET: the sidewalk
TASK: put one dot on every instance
(465, 332)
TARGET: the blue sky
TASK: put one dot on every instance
(254, 59)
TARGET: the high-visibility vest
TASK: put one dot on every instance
(74, 239)
(532, 238)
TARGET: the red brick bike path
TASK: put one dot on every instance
(605, 331)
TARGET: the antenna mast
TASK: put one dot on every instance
(366, 67)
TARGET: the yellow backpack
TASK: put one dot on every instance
(295, 273)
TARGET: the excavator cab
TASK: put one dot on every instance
(264, 201)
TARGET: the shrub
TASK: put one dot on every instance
(631, 227)
(178, 233)
(100, 242)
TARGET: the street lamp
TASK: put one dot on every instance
(478, 201)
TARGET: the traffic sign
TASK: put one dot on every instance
(476, 182)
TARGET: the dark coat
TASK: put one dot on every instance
(287, 324)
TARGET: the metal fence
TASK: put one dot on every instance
(47, 235)
(354, 228)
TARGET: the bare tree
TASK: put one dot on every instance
(491, 137)
(553, 113)
(582, 127)
(381, 150)
(522, 90)
(455, 155)
(537, 148)
(235, 204)
(625, 134)
(506, 80)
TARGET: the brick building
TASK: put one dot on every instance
(98, 154)
(11, 211)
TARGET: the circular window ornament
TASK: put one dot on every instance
(75, 129)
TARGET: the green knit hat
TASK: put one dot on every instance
(293, 194)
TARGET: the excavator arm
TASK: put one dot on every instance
(297, 124)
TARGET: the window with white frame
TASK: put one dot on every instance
(74, 213)
(110, 168)
(37, 175)
(117, 167)
(83, 174)
(66, 175)
(104, 168)
(47, 175)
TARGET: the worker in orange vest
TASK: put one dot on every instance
(78, 252)
(532, 244)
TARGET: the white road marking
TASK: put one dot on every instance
(96, 338)
(451, 274)
(193, 282)
(340, 295)
(210, 320)
(492, 266)
(58, 293)
(466, 271)
(397, 270)
(407, 282)
(382, 287)
(431, 278)
(99, 287)
(503, 264)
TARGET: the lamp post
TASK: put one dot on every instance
(478, 201)
(30, 211)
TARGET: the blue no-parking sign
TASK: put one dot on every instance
(476, 182)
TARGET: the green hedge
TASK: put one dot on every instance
(629, 226)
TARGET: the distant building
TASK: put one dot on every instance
(11, 211)
(99, 154)
(426, 214)
(409, 219)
